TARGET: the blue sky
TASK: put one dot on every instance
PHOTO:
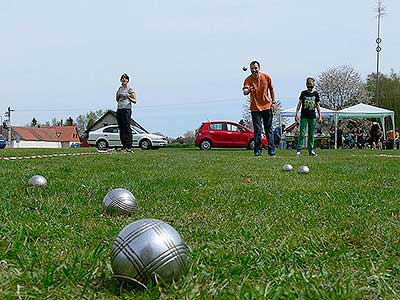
(64, 58)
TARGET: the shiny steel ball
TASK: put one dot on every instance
(148, 250)
(287, 167)
(120, 201)
(37, 180)
(244, 69)
(304, 169)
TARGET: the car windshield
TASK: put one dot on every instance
(137, 130)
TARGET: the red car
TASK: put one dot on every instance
(225, 134)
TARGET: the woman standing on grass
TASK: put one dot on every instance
(125, 97)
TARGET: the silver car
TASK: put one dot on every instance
(108, 136)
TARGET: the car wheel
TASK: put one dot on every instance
(145, 145)
(100, 144)
(251, 145)
(205, 145)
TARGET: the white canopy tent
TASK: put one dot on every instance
(364, 111)
(290, 113)
(358, 111)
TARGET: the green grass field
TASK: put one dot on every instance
(330, 234)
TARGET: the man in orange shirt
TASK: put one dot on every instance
(262, 102)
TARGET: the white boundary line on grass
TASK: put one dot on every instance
(51, 155)
(388, 155)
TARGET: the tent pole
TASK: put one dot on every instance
(336, 130)
(280, 130)
(393, 124)
(383, 127)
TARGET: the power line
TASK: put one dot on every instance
(182, 104)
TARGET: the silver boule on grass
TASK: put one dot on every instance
(287, 167)
(120, 201)
(148, 250)
(37, 180)
(304, 169)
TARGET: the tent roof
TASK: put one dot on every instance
(362, 110)
(290, 112)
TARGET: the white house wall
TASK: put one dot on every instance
(36, 144)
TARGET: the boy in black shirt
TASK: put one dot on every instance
(308, 102)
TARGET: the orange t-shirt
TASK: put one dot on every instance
(259, 99)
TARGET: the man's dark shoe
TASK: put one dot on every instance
(127, 150)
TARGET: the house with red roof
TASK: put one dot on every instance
(45, 137)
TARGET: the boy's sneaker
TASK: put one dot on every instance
(272, 153)
(312, 153)
(298, 153)
(258, 153)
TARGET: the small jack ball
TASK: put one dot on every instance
(244, 69)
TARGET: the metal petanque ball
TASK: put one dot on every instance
(148, 250)
(120, 201)
(287, 167)
(244, 68)
(37, 180)
(304, 169)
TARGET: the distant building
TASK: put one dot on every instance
(110, 118)
(44, 137)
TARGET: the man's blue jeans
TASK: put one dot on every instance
(259, 119)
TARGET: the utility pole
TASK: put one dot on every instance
(8, 114)
(380, 12)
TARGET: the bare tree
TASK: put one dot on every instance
(246, 115)
(55, 122)
(277, 112)
(341, 87)
(189, 137)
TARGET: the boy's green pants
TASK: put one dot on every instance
(304, 122)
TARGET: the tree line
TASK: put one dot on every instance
(82, 122)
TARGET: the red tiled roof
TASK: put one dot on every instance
(49, 134)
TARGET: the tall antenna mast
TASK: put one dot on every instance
(380, 11)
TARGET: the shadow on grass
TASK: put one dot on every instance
(123, 287)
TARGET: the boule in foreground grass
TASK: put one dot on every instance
(120, 201)
(37, 180)
(287, 167)
(148, 250)
(304, 170)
